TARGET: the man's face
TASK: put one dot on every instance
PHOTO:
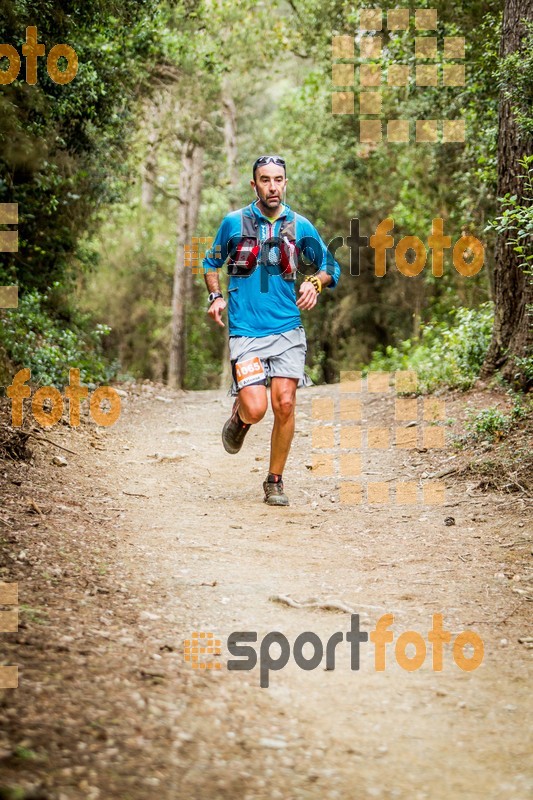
(270, 183)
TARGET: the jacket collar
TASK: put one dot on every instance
(255, 211)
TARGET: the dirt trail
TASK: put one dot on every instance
(187, 545)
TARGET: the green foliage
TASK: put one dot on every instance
(35, 340)
(130, 288)
(62, 146)
(491, 424)
(203, 350)
(70, 152)
(525, 368)
(515, 75)
(63, 159)
(25, 753)
(12, 793)
(517, 217)
(446, 353)
(334, 177)
(487, 424)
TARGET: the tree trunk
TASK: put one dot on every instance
(195, 194)
(149, 171)
(229, 113)
(154, 110)
(230, 142)
(191, 186)
(513, 291)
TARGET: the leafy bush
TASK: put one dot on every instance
(487, 424)
(518, 218)
(515, 77)
(491, 424)
(447, 353)
(525, 367)
(32, 338)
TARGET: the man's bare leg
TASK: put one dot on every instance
(253, 403)
(249, 408)
(283, 399)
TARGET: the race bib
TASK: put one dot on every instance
(249, 371)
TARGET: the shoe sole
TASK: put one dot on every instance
(276, 502)
(227, 446)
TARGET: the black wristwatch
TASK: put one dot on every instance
(213, 296)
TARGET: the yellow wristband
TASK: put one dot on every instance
(317, 283)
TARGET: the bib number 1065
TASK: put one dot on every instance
(249, 371)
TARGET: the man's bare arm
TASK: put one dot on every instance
(215, 309)
(212, 281)
(324, 278)
(308, 294)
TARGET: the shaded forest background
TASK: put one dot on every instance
(153, 141)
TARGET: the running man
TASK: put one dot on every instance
(263, 244)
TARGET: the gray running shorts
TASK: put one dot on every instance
(257, 359)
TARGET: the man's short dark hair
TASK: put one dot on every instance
(262, 160)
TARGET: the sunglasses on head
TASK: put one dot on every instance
(262, 160)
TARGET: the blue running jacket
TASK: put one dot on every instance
(263, 302)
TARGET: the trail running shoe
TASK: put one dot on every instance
(234, 431)
(274, 494)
